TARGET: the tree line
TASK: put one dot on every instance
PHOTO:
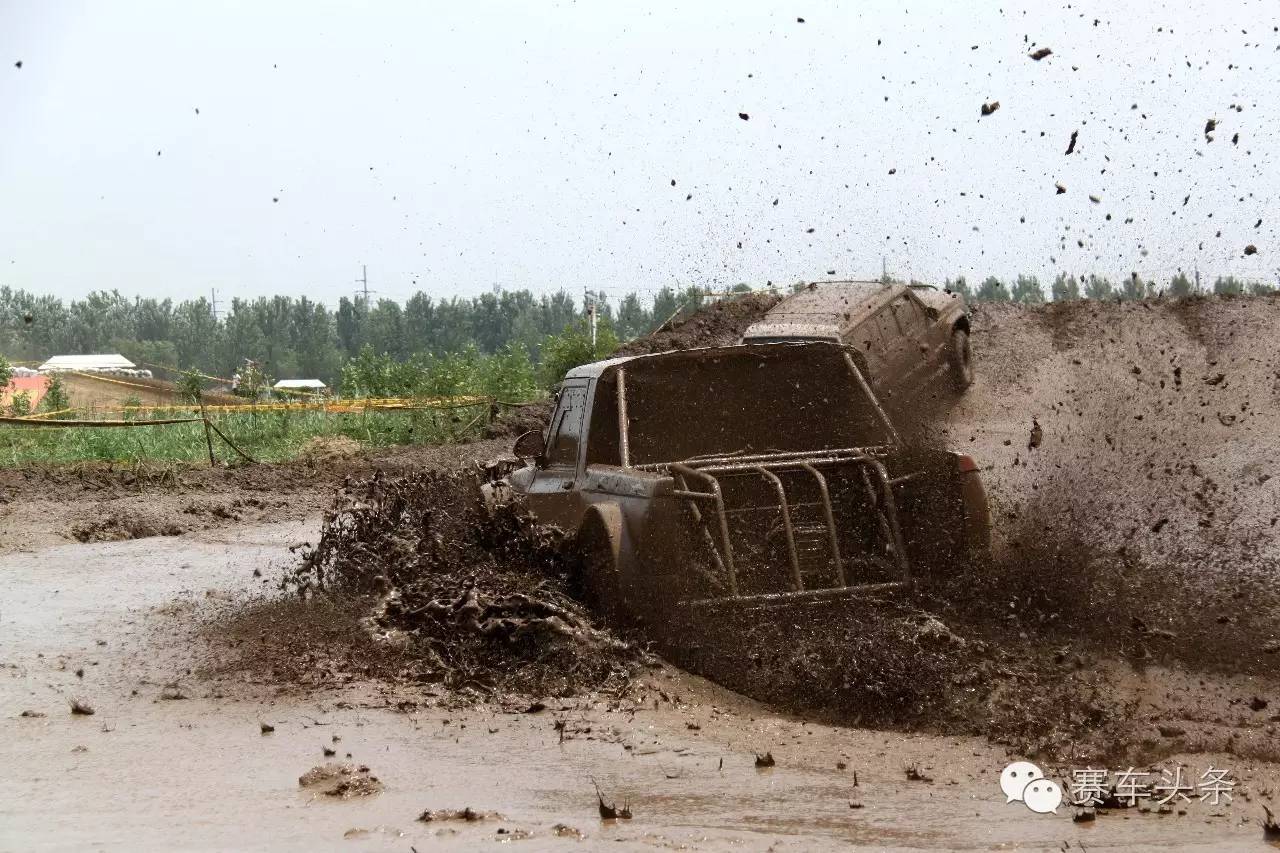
(1028, 290)
(301, 338)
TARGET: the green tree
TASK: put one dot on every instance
(1134, 288)
(1098, 288)
(6, 372)
(665, 305)
(633, 319)
(197, 336)
(20, 405)
(1026, 289)
(959, 286)
(1065, 288)
(1230, 285)
(349, 324)
(572, 347)
(55, 397)
(992, 289)
(1180, 285)
(384, 328)
(191, 386)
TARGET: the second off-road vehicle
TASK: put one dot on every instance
(910, 334)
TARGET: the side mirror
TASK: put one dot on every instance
(529, 445)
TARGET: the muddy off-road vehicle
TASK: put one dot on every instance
(911, 334)
(752, 475)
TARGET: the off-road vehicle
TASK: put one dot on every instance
(910, 334)
(748, 475)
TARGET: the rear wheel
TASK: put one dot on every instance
(960, 360)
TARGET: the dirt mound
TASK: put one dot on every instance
(1152, 496)
(479, 599)
(719, 324)
(517, 420)
(328, 448)
(120, 526)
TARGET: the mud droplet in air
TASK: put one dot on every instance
(1040, 53)
(989, 108)
(1251, 249)
(744, 116)
(1071, 146)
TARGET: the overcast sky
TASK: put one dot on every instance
(168, 148)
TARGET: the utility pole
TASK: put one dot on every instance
(364, 281)
(1197, 276)
(213, 307)
(884, 268)
(589, 302)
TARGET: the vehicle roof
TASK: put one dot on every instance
(829, 300)
(596, 368)
(790, 329)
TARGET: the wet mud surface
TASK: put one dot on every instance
(171, 758)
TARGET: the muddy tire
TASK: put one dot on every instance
(960, 360)
(601, 581)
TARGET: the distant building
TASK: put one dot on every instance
(312, 385)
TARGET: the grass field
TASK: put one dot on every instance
(267, 436)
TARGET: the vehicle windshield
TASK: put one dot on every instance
(745, 401)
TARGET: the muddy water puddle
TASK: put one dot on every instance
(168, 761)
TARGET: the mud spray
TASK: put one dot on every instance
(1125, 448)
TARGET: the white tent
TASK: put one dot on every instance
(300, 385)
(87, 363)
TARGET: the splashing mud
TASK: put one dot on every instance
(1107, 434)
(480, 599)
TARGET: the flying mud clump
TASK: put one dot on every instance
(478, 598)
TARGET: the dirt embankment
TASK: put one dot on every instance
(716, 325)
(1148, 505)
(44, 505)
